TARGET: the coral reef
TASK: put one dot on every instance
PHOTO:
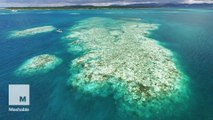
(38, 64)
(32, 31)
(120, 59)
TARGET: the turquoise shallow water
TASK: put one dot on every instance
(186, 32)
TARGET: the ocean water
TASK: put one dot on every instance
(186, 32)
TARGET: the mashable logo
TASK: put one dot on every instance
(19, 95)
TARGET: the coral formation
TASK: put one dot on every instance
(32, 31)
(120, 59)
(38, 64)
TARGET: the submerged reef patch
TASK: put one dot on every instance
(120, 59)
(32, 31)
(38, 64)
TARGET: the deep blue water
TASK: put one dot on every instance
(186, 32)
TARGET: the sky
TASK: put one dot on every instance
(7, 3)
